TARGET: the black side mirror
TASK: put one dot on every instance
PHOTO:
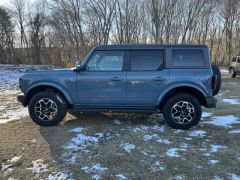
(78, 65)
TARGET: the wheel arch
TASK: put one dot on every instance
(182, 89)
(47, 87)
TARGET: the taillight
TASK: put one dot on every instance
(214, 81)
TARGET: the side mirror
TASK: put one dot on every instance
(78, 65)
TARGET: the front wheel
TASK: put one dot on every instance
(182, 111)
(47, 108)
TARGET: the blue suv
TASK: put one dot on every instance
(175, 80)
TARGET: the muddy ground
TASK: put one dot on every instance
(125, 146)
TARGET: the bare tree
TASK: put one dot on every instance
(128, 21)
(99, 15)
(6, 37)
(229, 12)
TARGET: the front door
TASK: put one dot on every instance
(103, 82)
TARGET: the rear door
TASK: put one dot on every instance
(146, 77)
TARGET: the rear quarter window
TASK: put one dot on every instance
(187, 58)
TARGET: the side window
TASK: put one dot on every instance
(238, 60)
(106, 61)
(146, 60)
(187, 58)
(234, 59)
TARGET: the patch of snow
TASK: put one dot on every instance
(183, 146)
(164, 141)
(197, 133)
(232, 101)
(128, 147)
(178, 177)
(206, 114)
(149, 154)
(13, 114)
(99, 135)
(141, 128)
(117, 122)
(216, 148)
(234, 176)
(158, 128)
(157, 166)
(217, 178)
(96, 177)
(178, 131)
(237, 131)
(172, 152)
(11, 178)
(96, 168)
(82, 141)
(38, 166)
(77, 130)
(148, 137)
(59, 176)
(213, 161)
(15, 159)
(7, 166)
(120, 177)
(223, 121)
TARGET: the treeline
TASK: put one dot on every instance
(59, 31)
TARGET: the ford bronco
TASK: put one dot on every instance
(176, 80)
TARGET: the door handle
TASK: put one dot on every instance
(158, 79)
(117, 79)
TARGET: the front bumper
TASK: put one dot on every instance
(211, 102)
(22, 99)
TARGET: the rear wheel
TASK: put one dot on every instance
(182, 111)
(47, 108)
(232, 73)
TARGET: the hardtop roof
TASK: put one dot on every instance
(147, 46)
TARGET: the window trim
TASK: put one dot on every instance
(160, 68)
(123, 66)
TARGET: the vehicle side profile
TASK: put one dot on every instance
(234, 68)
(176, 80)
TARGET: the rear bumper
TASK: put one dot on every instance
(22, 99)
(211, 102)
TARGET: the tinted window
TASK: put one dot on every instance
(239, 60)
(187, 57)
(146, 60)
(234, 59)
(106, 61)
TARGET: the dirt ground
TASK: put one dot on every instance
(126, 146)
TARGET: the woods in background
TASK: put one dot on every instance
(58, 31)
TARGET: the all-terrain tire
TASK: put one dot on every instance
(169, 111)
(216, 71)
(232, 73)
(55, 102)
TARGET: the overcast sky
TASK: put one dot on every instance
(4, 2)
